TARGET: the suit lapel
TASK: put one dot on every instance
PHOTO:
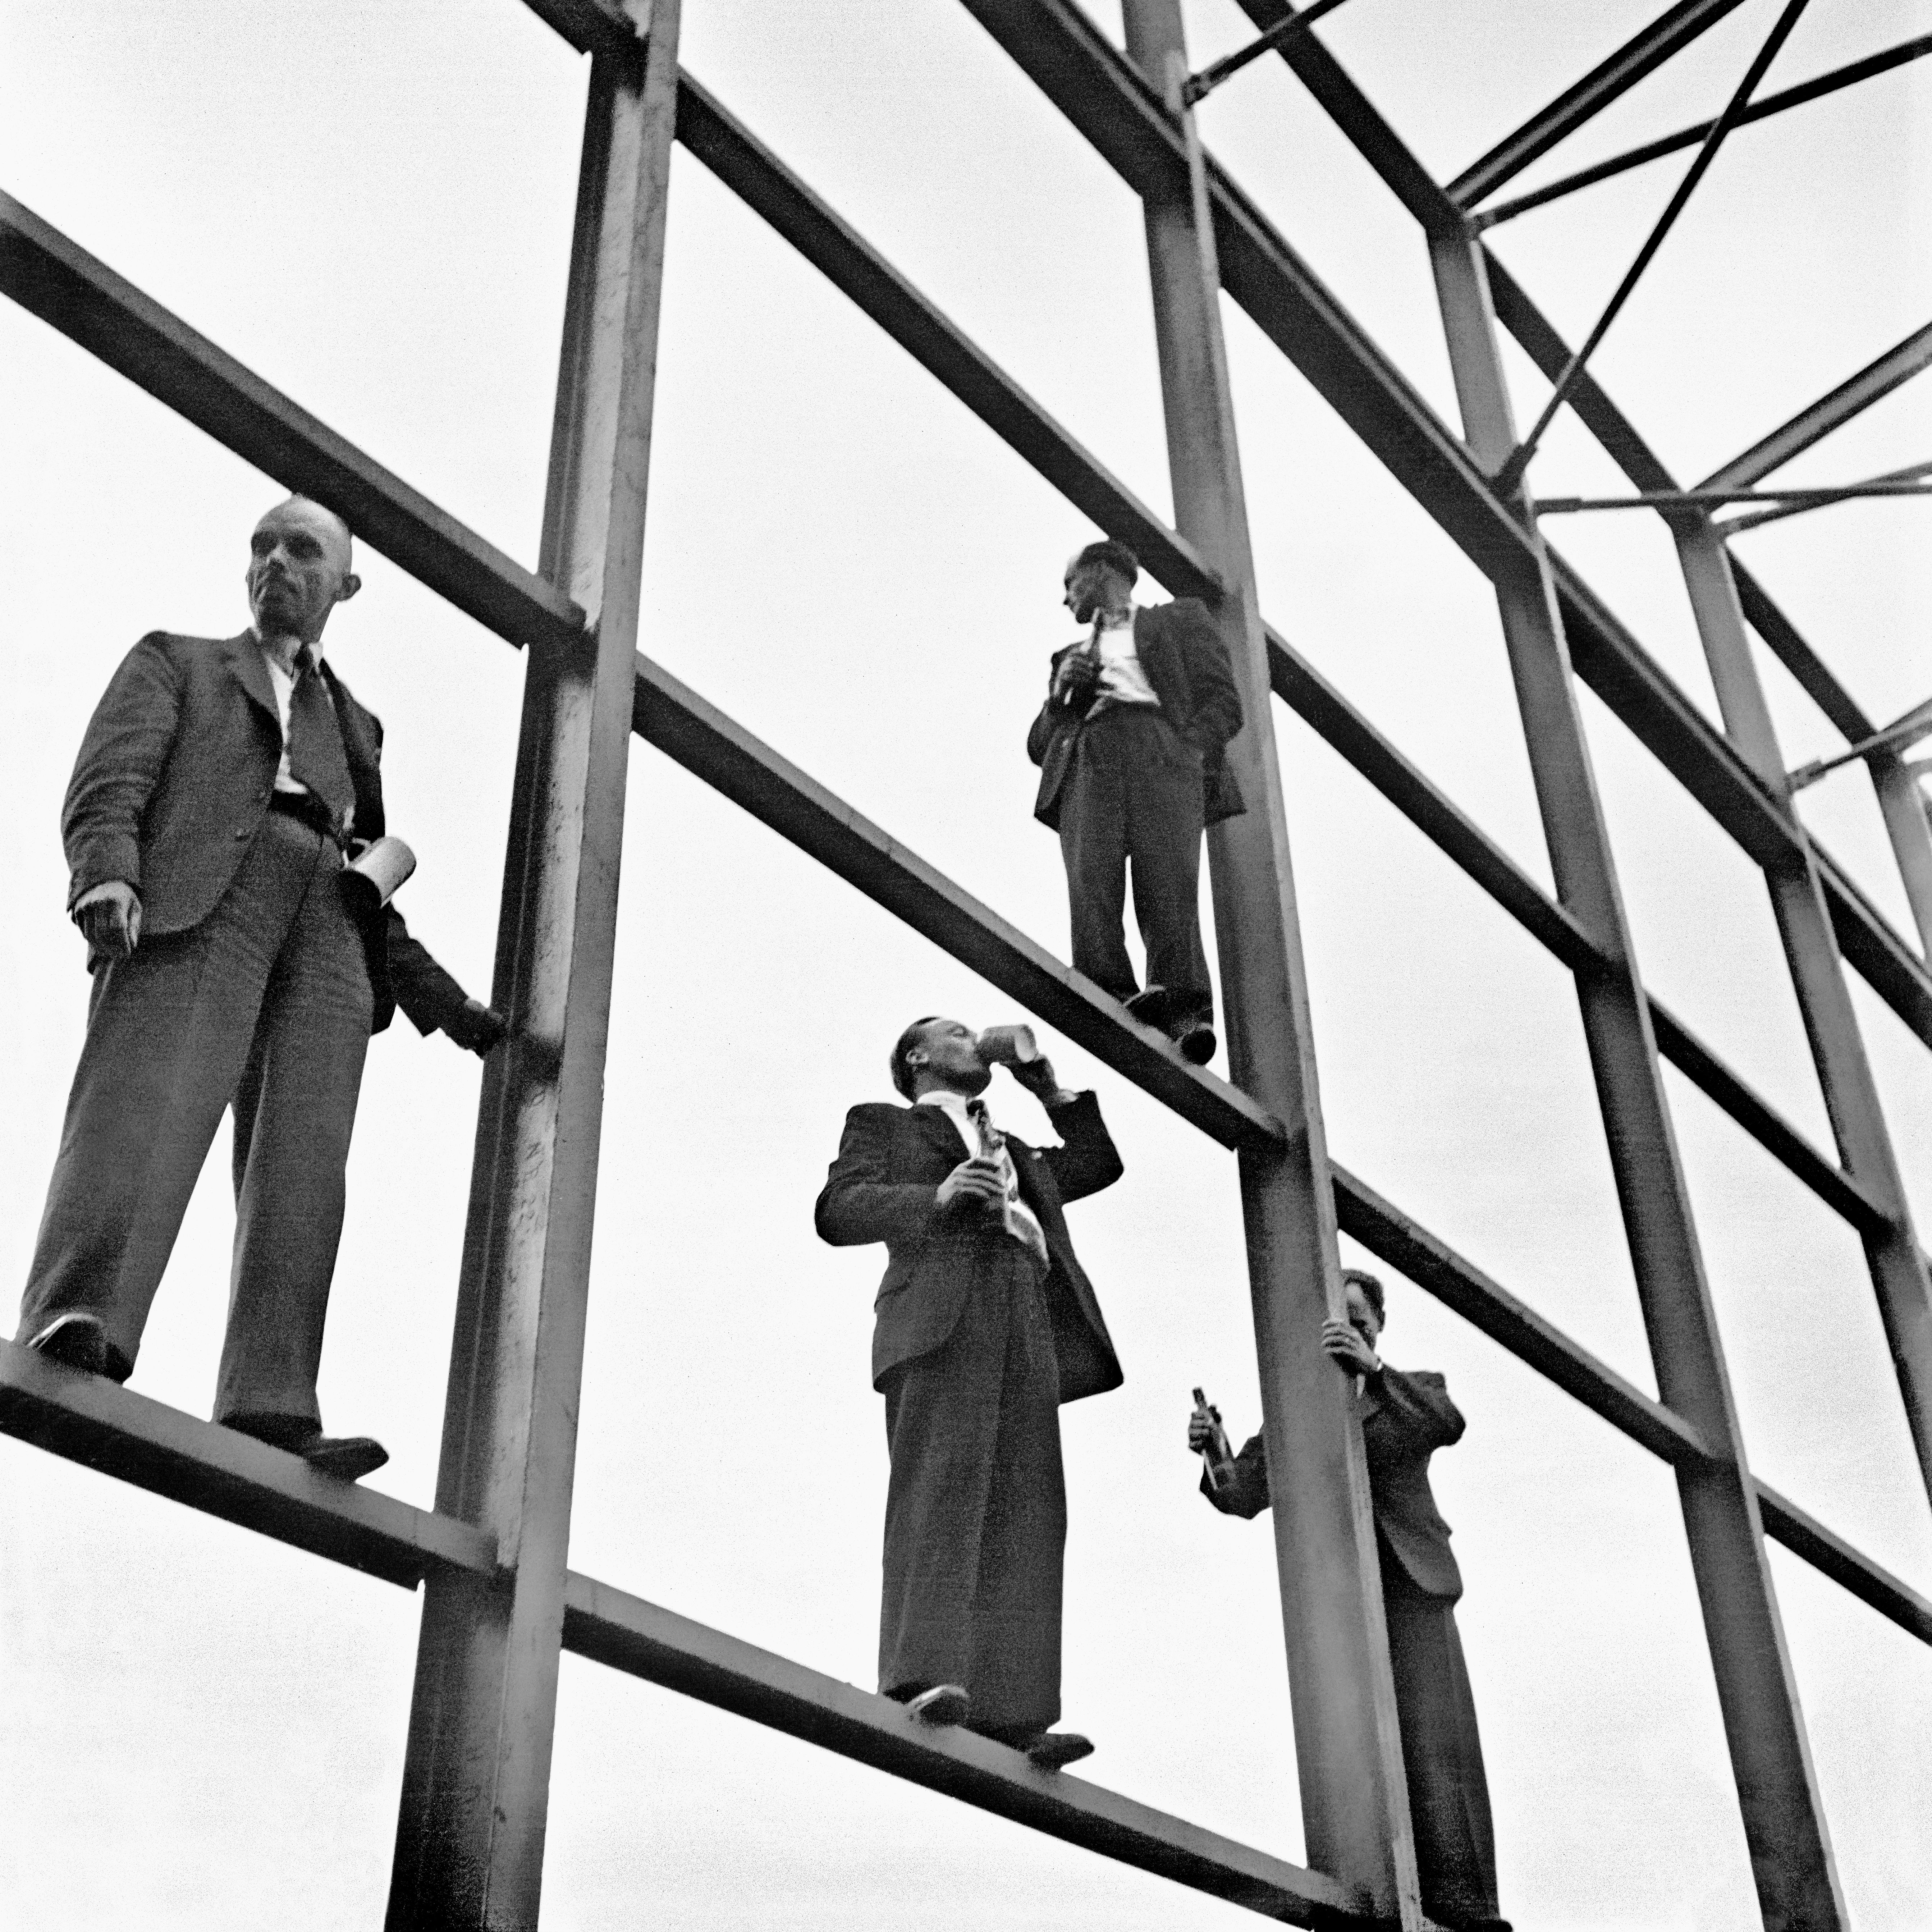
(250, 670)
(359, 747)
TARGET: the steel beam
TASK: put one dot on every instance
(1837, 1048)
(224, 1474)
(108, 316)
(1777, 1791)
(475, 1782)
(1851, 398)
(1354, 1801)
(1688, 137)
(1668, 33)
(625, 1632)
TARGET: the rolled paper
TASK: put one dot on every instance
(1008, 1046)
(373, 878)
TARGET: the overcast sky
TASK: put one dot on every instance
(370, 204)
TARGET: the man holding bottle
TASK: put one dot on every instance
(986, 1324)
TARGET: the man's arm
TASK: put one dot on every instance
(1417, 1404)
(1086, 1161)
(857, 1204)
(1210, 681)
(1244, 1492)
(126, 745)
(430, 997)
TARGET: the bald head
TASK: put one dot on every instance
(299, 569)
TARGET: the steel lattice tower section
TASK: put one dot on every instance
(500, 1605)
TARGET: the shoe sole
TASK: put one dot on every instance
(342, 1466)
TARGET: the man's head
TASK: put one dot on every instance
(1365, 1302)
(938, 1053)
(1101, 578)
(298, 570)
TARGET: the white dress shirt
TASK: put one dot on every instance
(1020, 1221)
(1122, 680)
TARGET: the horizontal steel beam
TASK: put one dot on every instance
(591, 26)
(760, 179)
(1312, 697)
(626, 1634)
(711, 746)
(89, 1419)
(66, 287)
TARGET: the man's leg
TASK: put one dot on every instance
(1093, 846)
(1163, 816)
(1442, 1756)
(942, 1415)
(168, 1029)
(1015, 1671)
(295, 1110)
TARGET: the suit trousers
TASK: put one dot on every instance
(264, 1006)
(975, 1509)
(1134, 797)
(1442, 1755)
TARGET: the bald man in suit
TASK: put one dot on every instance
(219, 787)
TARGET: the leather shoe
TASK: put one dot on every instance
(346, 1458)
(1151, 1006)
(1195, 1039)
(77, 1340)
(944, 1704)
(1054, 1750)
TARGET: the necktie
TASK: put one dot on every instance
(316, 756)
(1015, 1216)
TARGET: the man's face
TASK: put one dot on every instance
(952, 1058)
(1093, 587)
(1362, 1315)
(298, 570)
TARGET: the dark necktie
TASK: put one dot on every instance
(316, 756)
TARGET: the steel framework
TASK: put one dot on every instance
(499, 1603)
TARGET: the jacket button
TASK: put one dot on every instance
(241, 831)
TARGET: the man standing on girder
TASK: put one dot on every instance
(219, 786)
(1129, 744)
(1405, 1418)
(986, 1324)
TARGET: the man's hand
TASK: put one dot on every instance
(1076, 678)
(1036, 1076)
(110, 917)
(977, 1183)
(477, 1027)
(1200, 1433)
(1348, 1350)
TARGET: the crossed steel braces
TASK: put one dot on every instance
(499, 1603)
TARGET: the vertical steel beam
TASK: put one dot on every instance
(1348, 1742)
(475, 1783)
(1783, 1817)
(1817, 975)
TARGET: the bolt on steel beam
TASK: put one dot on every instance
(469, 1839)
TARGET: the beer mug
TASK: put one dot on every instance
(1008, 1046)
(372, 878)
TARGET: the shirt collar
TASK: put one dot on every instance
(1123, 624)
(955, 1104)
(314, 650)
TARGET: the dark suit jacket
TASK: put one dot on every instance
(1405, 1419)
(172, 783)
(1187, 664)
(880, 1189)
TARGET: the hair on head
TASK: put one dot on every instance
(1371, 1287)
(1112, 552)
(903, 1045)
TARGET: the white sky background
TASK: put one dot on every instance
(370, 204)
